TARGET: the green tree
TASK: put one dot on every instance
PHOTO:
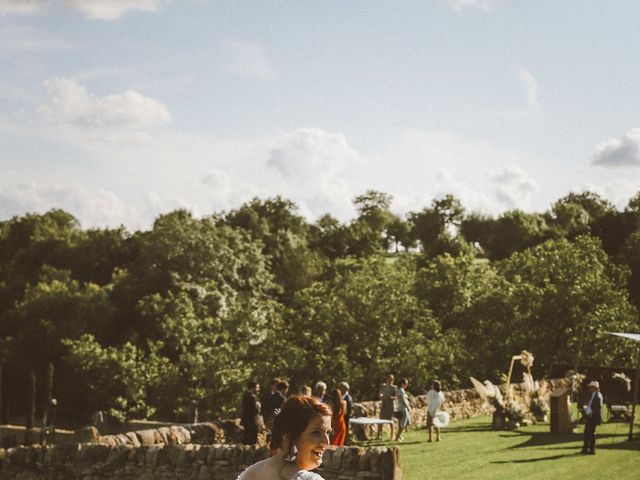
(558, 289)
(117, 380)
(362, 323)
(329, 237)
(515, 231)
(437, 227)
(568, 220)
(479, 229)
(399, 232)
(180, 250)
(284, 235)
(448, 286)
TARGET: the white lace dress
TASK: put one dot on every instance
(270, 470)
(304, 475)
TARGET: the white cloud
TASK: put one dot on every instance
(112, 9)
(311, 154)
(220, 191)
(619, 152)
(513, 187)
(93, 208)
(13, 92)
(71, 103)
(21, 7)
(529, 85)
(459, 5)
(618, 192)
(312, 162)
(248, 59)
(20, 39)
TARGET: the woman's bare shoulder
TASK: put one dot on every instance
(258, 471)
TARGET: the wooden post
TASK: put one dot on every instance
(44, 428)
(1, 402)
(513, 359)
(580, 343)
(31, 414)
(636, 380)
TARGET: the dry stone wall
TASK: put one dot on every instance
(189, 461)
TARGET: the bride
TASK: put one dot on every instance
(300, 435)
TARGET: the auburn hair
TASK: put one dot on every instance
(296, 413)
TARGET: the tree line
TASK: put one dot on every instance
(154, 323)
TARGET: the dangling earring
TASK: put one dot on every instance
(290, 457)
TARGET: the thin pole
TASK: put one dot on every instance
(580, 343)
(636, 380)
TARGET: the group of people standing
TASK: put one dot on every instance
(395, 403)
(259, 412)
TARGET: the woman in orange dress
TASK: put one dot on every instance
(338, 427)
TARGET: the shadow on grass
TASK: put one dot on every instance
(621, 445)
(539, 459)
(556, 441)
(380, 443)
(540, 439)
(485, 428)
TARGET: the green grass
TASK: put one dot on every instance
(471, 450)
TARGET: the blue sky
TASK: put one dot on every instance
(118, 110)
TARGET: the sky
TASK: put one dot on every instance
(120, 110)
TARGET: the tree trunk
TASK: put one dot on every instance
(31, 414)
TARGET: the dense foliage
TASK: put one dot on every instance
(155, 323)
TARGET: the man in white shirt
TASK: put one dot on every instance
(593, 418)
(435, 399)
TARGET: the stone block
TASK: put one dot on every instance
(181, 434)
(364, 462)
(204, 473)
(351, 458)
(151, 456)
(86, 435)
(118, 456)
(132, 439)
(205, 433)
(389, 464)
(336, 458)
(327, 457)
(166, 435)
(109, 440)
(16, 456)
(172, 452)
(93, 453)
(122, 439)
(146, 437)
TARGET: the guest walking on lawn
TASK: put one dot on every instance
(404, 408)
(388, 395)
(435, 399)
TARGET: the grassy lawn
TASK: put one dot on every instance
(471, 450)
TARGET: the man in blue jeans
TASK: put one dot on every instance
(593, 418)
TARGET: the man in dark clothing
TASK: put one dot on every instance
(593, 418)
(270, 400)
(250, 413)
(346, 396)
(281, 394)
